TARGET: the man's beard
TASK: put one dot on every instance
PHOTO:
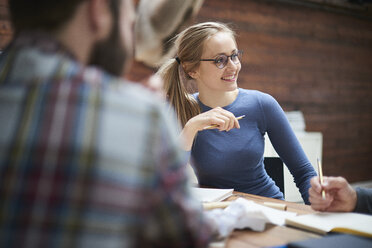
(110, 54)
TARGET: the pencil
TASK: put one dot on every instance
(275, 205)
(214, 125)
(321, 176)
(213, 205)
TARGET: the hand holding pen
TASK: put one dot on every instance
(213, 126)
(339, 195)
(216, 118)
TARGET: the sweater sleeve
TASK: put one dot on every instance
(175, 219)
(364, 200)
(286, 144)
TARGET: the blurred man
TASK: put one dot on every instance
(339, 197)
(86, 159)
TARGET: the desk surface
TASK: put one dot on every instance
(272, 235)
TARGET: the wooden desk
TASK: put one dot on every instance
(272, 235)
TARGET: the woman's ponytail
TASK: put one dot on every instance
(183, 103)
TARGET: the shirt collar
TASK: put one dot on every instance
(41, 40)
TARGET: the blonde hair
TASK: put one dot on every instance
(189, 45)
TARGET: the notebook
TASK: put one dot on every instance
(352, 223)
(211, 194)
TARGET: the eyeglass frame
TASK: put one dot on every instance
(239, 54)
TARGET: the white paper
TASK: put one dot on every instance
(211, 194)
(256, 215)
(244, 213)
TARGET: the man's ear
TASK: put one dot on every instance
(100, 17)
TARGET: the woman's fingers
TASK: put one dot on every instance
(221, 121)
(236, 123)
(225, 119)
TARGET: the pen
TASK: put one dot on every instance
(321, 176)
(214, 125)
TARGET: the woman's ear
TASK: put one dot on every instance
(192, 74)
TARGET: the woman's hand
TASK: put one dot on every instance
(222, 119)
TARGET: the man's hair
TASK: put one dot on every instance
(48, 15)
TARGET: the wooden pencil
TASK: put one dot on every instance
(320, 170)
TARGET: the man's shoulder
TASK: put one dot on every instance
(120, 90)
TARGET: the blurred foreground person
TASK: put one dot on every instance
(86, 159)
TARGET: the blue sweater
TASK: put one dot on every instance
(234, 159)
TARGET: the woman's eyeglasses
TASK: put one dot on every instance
(222, 60)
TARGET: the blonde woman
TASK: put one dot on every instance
(231, 154)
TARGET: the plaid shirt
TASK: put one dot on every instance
(87, 160)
